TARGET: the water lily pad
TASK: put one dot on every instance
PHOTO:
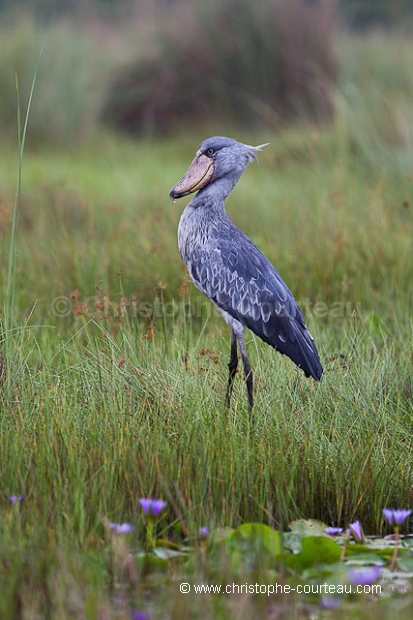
(261, 535)
(378, 547)
(315, 550)
(366, 559)
(308, 527)
(405, 562)
(329, 573)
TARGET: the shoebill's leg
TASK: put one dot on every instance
(232, 365)
(247, 367)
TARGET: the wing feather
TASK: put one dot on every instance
(240, 280)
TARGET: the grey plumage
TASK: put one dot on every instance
(227, 267)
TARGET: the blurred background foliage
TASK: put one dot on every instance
(149, 67)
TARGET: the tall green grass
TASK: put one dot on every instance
(116, 418)
(374, 102)
(95, 422)
(71, 80)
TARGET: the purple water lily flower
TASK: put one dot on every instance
(357, 531)
(333, 531)
(364, 576)
(16, 499)
(121, 528)
(152, 506)
(396, 516)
